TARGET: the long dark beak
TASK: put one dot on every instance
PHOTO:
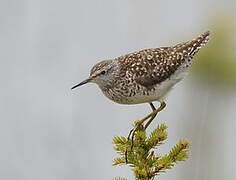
(82, 83)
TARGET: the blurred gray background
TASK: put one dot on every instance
(48, 132)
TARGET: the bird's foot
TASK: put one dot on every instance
(139, 124)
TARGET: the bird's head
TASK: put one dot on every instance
(103, 74)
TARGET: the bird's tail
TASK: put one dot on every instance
(199, 42)
(190, 48)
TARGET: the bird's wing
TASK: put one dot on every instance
(152, 66)
(157, 65)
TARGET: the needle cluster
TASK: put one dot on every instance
(140, 154)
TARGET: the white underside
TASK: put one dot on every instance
(161, 89)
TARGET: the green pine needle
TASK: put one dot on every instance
(120, 140)
(178, 153)
(118, 161)
(157, 136)
(120, 144)
(144, 163)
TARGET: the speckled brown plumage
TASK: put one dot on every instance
(146, 75)
(152, 66)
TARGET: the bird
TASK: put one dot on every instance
(145, 76)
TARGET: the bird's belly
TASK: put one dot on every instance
(145, 95)
(157, 93)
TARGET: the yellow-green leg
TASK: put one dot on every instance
(151, 115)
(140, 122)
(162, 106)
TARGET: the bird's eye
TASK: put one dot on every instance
(103, 72)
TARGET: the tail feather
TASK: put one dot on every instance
(199, 43)
(190, 48)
